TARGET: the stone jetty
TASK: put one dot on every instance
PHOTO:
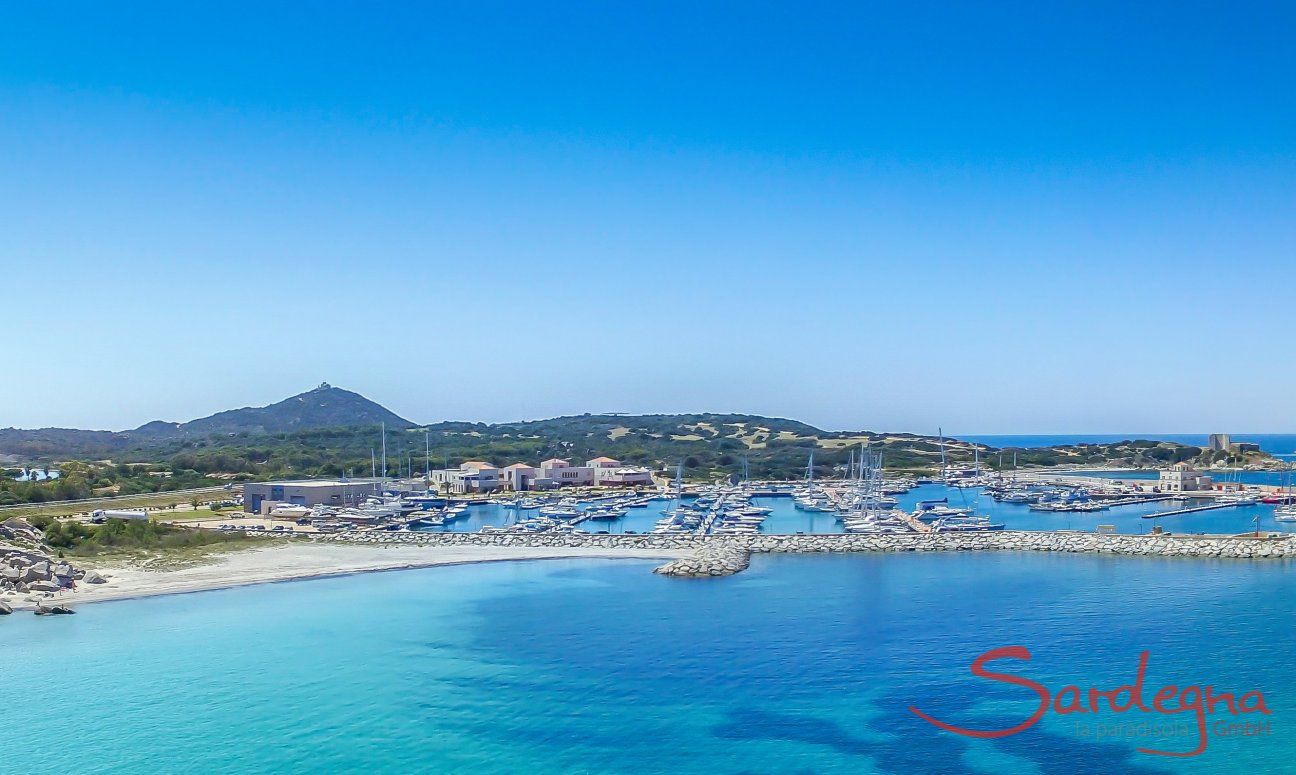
(710, 560)
(715, 555)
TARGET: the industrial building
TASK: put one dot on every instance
(260, 497)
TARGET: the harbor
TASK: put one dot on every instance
(877, 503)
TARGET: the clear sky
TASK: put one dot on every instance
(1026, 217)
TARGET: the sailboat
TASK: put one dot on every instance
(809, 499)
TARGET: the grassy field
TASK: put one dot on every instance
(172, 557)
(151, 501)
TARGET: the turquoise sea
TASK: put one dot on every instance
(803, 664)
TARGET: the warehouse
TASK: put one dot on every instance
(260, 497)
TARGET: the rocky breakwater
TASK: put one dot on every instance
(1236, 547)
(711, 560)
(1162, 545)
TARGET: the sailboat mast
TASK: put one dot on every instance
(384, 452)
(944, 469)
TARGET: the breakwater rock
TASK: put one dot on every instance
(708, 561)
(1163, 545)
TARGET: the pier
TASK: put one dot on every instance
(1063, 541)
(915, 524)
(1195, 509)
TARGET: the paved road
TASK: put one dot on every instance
(110, 500)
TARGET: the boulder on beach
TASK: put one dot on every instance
(92, 577)
(43, 586)
(38, 572)
(5, 608)
(48, 610)
(18, 523)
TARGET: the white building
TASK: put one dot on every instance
(1183, 478)
(613, 473)
(565, 474)
(478, 476)
(518, 477)
(472, 476)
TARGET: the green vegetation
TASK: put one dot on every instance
(117, 535)
(708, 445)
(81, 480)
(151, 501)
(303, 436)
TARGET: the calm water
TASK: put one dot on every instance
(786, 518)
(1126, 519)
(802, 664)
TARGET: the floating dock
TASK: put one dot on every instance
(1195, 509)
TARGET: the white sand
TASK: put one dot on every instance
(309, 560)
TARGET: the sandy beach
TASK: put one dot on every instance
(292, 561)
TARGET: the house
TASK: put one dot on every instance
(518, 477)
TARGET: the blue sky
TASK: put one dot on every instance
(994, 218)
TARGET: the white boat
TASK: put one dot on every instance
(940, 512)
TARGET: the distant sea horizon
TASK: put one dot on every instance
(1282, 444)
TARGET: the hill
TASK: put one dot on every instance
(325, 406)
(329, 431)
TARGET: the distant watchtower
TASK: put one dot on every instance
(1220, 442)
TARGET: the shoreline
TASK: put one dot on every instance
(373, 552)
(304, 562)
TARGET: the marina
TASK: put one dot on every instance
(828, 507)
